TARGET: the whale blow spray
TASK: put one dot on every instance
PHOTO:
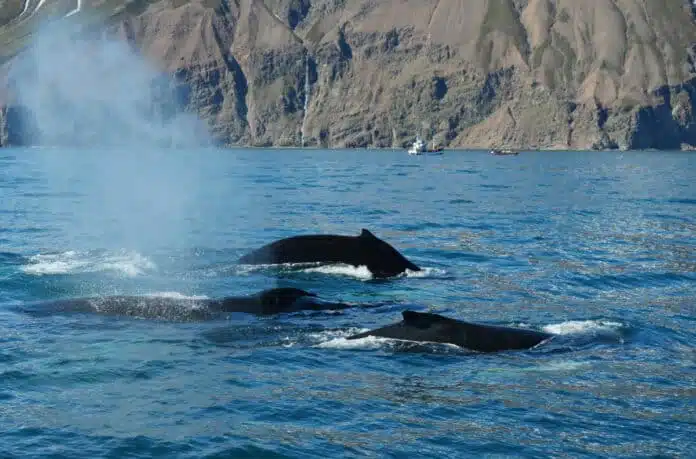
(89, 90)
(115, 132)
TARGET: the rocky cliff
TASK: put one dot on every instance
(558, 74)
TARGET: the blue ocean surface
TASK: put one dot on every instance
(596, 248)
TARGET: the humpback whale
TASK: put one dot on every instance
(381, 259)
(428, 327)
(266, 302)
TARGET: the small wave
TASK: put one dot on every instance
(334, 334)
(426, 272)
(243, 269)
(130, 264)
(379, 342)
(362, 273)
(682, 201)
(11, 258)
(566, 365)
(338, 339)
(359, 272)
(574, 327)
(631, 280)
(367, 343)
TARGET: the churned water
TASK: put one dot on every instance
(599, 248)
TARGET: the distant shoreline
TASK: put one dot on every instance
(371, 149)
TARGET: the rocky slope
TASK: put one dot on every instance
(560, 74)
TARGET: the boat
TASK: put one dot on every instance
(419, 147)
(504, 152)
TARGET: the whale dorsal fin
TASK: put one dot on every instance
(367, 233)
(421, 319)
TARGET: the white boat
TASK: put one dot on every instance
(419, 148)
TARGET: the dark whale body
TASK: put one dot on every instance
(266, 302)
(427, 327)
(381, 259)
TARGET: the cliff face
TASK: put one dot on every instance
(478, 73)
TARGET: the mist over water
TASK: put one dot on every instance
(90, 90)
(133, 198)
(121, 131)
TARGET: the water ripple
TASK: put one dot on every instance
(595, 248)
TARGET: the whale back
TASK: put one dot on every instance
(366, 249)
(423, 319)
(429, 327)
(417, 327)
(478, 337)
(310, 248)
(270, 301)
(282, 295)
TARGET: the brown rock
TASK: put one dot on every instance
(557, 74)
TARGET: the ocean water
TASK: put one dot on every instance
(597, 248)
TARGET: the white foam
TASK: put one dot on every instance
(573, 327)
(340, 269)
(59, 263)
(243, 269)
(368, 342)
(333, 334)
(338, 339)
(359, 272)
(426, 272)
(130, 264)
(324, 336)
(176, 296)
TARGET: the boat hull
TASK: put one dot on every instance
(504, 153)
